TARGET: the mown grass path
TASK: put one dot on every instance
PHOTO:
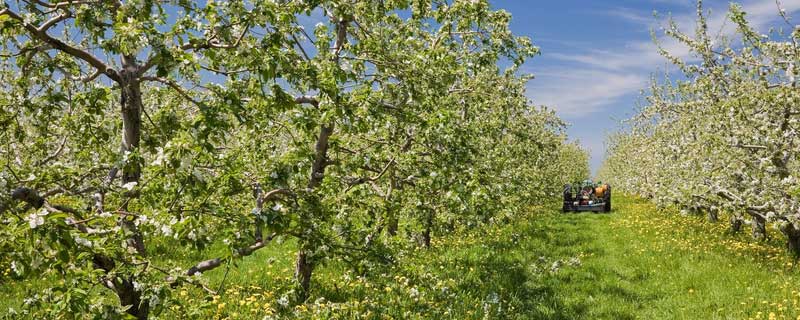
(642, 263)
(634, 263)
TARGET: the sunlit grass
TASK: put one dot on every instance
(635, 263)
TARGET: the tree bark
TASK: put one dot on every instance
(259, 224)
(303, 267)
(391, 226)
(426, 235)
(321, 157)
(123, 287)
(129, 296)
(713, 215)
(131, 109)
(735, 224)
(131, 103)
(302, 272)
(759, 227)
(792, 233)
(391, 212)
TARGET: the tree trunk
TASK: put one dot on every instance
(131, 109)
(736, 224)
(259, 224)
(426, 235)
(123, 287)
(759, 227)
(713, 215)
(321, 156)
(391, 212)
(131, 102)
(303, 268)
(376, 232)
(792, 233)
(302, 272)
(129, 296)
(391, 225)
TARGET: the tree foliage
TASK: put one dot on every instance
(132, 124)
(724, 136)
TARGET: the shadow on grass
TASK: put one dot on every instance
(511, 274)
(531, 298)
(524, 274)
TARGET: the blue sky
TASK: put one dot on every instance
(597, 56)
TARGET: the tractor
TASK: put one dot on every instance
(589, 196)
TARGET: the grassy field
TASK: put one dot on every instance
(635, 263)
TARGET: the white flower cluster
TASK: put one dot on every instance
(725, 139)
(36, 219)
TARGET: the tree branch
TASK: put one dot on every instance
(752, 210)
(29, 196)
(371, 179)
(303, 51)
(213, 43)
(307, 99)
(50, 23)
(174, 85)
(326, 130)
(63, 46)
(198, 45)
(224, 72)
(212, 264)
(60, 4)
(272, 195)
(750, 146)
(55, 154)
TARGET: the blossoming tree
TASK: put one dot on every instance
(724, 138)
(133, 130)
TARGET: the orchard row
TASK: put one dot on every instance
(350, 126)
(722, 135)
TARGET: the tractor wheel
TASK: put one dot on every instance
(567, 192)
(607, 207)
(567, 198)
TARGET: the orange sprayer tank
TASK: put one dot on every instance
(600, 191)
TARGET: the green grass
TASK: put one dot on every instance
(644, 264)
(635, 263)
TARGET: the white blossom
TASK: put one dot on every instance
(84, 242)
(283, 301)
(160, 157)
(413, 292)
(130, 185)
(166, 230)
(14, 268)
(36, 219)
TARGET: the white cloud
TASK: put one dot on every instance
(595, 79)
(631, 15)
(575, 93)
(686, 3)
